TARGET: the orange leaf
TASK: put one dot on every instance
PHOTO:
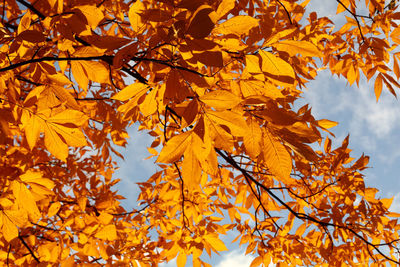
(225, 7)
(93, 14)
(32, 130)
(135, 16)
(191, 172)
(181, 260)
(25, 200)
(216, 243)
(278, 69)
(232, 120)
(378, 86)
(324, 123)
(174, 148)
(130, 91)
(108, 232)
(237, 25)
(220, 99)
(252, 140)
(53, 209)
(276, 157)
(304, 48)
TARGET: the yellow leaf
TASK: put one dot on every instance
(108, 232)
(238, 25)
(32, 130)
(230, 119)
(71, 135)
(259, 89)
(216, 243)
(37, 178)
(79, 74)
(105, 218)
(134, 16)
(54, 144)
(18, 217)
(96, 71)
(65, 96)
(59, 79)
(69, 116)
(276, 157)
(225, 7)
(181, 260)
(25, 200)
(304, 48)
(174, 148)
(276, 68)
(378, 86)
(53, 209)
(220, 99)
(252, 140)
(386, 202)
(253, 64)
(191, 171)
(130, 91)
(324, 123)
(149, 105)
(25, 22)
(8, 228)
(82, 201)
(93, 14)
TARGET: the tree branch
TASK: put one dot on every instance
(29, 249)
(302, 216)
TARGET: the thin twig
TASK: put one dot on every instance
(29, 249)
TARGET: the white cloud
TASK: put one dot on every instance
(171, 263)
(135, 168)
(395, 204)
(235, 258)
(355, 109)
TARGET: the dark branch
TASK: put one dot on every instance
(29, 249)
(301, 216)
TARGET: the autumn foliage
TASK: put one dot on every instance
(214, 83)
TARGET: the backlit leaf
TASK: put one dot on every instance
(276, 157)
(237, 25)
(174, 148)
(220, 99)
(304, 48)
(230, 119)
(108, 232)
(134, 16)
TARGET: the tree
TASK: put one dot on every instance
(214, 83)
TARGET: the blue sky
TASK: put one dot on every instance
(374, 129)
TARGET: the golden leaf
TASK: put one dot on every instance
(131, 91)
(53, 209)
(276, 157)
(108, 232)
(216, 243)
(304, 48)
(237, 25)
(252, 140)
(231, 119)
(220, 99)
(324, 123)
(135, 16)
(276, 68)
(174, 148)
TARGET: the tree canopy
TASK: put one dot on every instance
(214, 83)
